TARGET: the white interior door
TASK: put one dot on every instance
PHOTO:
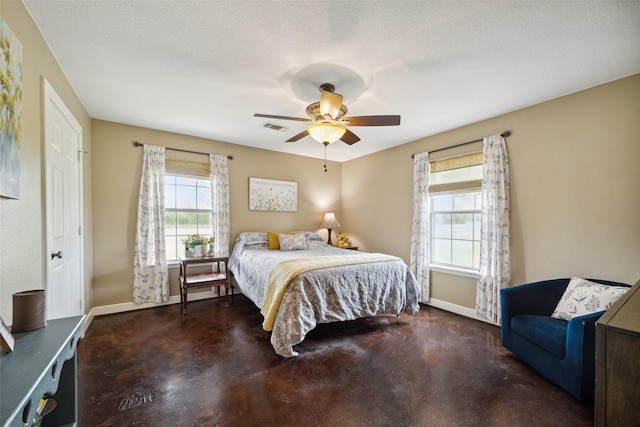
(63, 208)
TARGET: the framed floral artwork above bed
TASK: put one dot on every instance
(273, 195)
(11, 93)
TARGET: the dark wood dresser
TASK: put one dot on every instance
(618, 363)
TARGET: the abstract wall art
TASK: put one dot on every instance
(10, 112)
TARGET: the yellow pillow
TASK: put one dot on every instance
(274, 243)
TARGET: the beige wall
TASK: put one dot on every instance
(22, 262)
(116, 181)
(575, 190)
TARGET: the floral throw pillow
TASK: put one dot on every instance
(251, 238)
(584, 297)
(292, 242)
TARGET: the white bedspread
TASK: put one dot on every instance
(321, 296)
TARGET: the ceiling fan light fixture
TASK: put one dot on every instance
(326, 132)
(328, 119)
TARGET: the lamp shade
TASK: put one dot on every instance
(330, 221)
(326, 132)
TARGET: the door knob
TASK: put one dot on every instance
(56, 255)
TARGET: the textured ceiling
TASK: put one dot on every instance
(203, 68)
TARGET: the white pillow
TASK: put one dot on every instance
(584, 297)
(292, 242)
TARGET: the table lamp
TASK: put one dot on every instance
(329, 222)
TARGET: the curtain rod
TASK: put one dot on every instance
(504, 134)
(139, 144)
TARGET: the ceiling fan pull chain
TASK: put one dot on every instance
(325, 156)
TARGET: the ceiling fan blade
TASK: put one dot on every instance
(269, 116)
(330, 103)
(372, 120)
(349, 138)
(298, 136)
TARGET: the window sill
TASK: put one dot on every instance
(454, 271)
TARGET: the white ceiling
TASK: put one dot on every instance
(203, 68)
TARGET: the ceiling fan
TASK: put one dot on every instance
(328, 121)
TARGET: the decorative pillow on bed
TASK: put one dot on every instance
(584, 297)
(292, 241)
(311, 236)
(274, 243)
(251, 238)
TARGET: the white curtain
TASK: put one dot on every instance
(220, 204)
(151, 276)
(420, 252)
(495, 269)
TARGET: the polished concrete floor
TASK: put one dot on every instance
(217, 367)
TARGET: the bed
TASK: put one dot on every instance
(309, 282)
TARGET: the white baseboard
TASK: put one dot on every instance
(130, 306)
(457, 309)
(175, 299)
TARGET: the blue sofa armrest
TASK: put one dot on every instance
(586, 319)
(581, 335)
(580, 352)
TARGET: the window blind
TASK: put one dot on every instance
(456, 173)
(187, 168)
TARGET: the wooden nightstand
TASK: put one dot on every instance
(219, 276)
(353, 248)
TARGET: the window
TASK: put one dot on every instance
(455, 229)
(455, 191)
(187, 210)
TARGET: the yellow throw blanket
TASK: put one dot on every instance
(282, 273)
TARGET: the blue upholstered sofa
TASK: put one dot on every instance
(563, 352)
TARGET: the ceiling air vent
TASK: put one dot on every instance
(275, 126)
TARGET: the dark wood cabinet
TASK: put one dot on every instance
(618, 363)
